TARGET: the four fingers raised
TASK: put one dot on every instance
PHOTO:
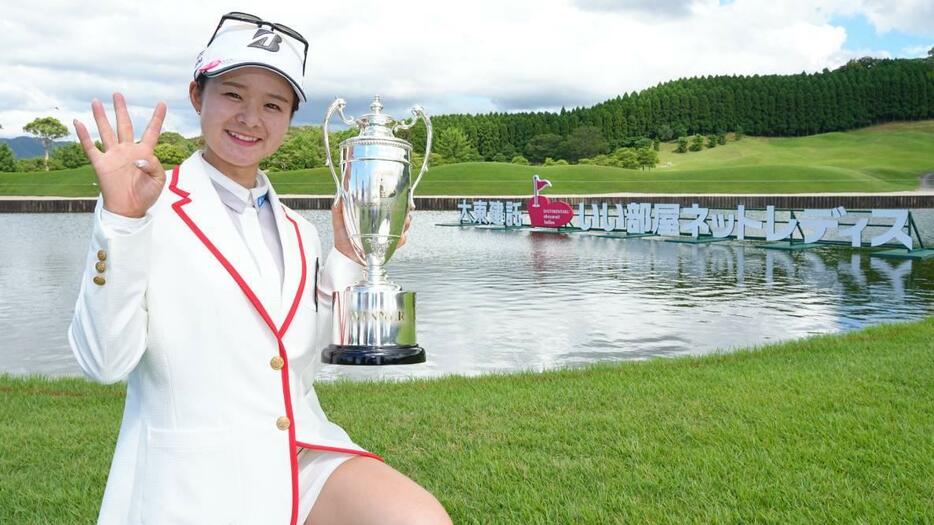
(124, 126)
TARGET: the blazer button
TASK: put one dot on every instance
(98, 280)
(101, 255)
(276, 363)
(283, 423)
(100, 266)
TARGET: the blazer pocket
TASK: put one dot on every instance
(190, 476)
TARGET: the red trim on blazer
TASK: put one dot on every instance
(327, 448)
(284, 371)
(278, 333)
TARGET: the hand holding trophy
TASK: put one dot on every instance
(374, 320)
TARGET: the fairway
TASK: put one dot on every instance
(884, 158)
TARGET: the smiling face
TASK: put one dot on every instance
(245, 114)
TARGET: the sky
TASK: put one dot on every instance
(463, 57)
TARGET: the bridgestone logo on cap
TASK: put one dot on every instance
(266, 39)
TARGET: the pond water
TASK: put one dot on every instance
(496, 301)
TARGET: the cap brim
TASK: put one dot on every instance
(295, 86)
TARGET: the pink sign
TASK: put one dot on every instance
(546, 214)
(549, 214)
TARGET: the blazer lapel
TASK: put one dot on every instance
(293, 261)
(201, 209)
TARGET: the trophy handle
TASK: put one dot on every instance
(418, 112)
(338, 105)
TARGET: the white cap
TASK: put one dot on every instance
(243, 44)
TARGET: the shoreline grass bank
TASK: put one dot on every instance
(832, 429)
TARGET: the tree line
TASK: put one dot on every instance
(863, 92)
(622, 132)
(303, 147)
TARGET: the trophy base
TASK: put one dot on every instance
(373, 355)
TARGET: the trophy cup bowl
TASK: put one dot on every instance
(374, 319)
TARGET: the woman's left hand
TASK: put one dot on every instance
(342, 239)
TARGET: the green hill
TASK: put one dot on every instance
(863, 92)
(890, 157)
(26, 147)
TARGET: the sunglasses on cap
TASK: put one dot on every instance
(253, 19)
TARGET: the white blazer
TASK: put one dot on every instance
(219, 396)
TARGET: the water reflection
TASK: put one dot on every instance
(490, 300)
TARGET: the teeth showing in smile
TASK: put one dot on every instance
(244, 138)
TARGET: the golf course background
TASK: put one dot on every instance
(883, 158)
(831, 429)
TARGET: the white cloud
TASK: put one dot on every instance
(651, 8)
(488, 55)
(909, 16)
(917, 51)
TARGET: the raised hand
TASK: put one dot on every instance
(129, 175)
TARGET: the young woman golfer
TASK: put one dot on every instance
(213, 300)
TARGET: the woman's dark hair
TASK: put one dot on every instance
(202, 79)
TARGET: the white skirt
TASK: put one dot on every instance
(314, 467)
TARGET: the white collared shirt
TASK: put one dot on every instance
(236, 199)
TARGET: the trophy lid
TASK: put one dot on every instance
(376, 123)
(376, 127)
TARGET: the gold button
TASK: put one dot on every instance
(283, 423)
(276, 362)
(102, 255)
(99, 280)
(100, 266)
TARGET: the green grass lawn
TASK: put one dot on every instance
(77, 182)
(890, 157)
(834, 429)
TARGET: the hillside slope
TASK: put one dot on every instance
(890, 157)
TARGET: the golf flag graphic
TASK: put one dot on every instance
(538, 184)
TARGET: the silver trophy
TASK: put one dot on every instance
(374, 320)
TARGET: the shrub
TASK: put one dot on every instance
(70, 155)
(170, 154)
(7, 158)
(37, 164)
(682, 145)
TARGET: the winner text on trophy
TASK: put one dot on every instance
(374, 320)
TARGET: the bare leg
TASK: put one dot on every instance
(365, 491)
